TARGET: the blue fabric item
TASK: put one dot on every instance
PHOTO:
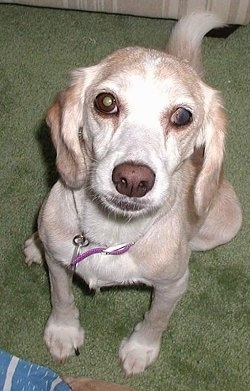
(20, 375)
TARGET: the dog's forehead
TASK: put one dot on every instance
(130, 65)
(148, 76)
(140, 60)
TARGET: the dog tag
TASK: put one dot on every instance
(79, 242)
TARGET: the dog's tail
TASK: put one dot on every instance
(186, 37)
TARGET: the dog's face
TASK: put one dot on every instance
(140, 113)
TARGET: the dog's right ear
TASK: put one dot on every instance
(65, 119)
(212, 138)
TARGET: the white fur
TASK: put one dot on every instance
(189, 206)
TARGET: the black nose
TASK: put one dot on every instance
(132, 179)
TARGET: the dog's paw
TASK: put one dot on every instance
(33, 250)
(63, 341)
(137, 356)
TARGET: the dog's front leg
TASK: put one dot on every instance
(142, 348)
(63, 333)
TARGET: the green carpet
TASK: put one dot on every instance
(206, 346)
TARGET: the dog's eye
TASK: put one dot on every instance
(106, 103)
(181, 117)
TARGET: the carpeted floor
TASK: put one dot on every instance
(206, 346)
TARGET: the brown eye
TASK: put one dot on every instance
(106, 103)
(181, 117)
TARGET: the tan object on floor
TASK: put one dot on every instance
(87, 384)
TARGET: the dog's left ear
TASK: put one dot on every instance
(212, 137)
(65, 119)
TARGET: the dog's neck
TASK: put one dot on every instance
(107, 229)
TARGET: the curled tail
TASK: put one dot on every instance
(186, 37)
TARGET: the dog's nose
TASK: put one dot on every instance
(132, 179)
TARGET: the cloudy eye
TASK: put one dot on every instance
(106, 103)
(181, 117)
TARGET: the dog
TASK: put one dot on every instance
(140, 141)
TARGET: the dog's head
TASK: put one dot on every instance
(125, 126)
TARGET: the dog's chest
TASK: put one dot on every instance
(102, 270)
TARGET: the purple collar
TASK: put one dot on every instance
(80, 241)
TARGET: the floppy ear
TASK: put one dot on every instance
(212, 138)
(65, 119)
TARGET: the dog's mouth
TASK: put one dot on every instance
(123, 204)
